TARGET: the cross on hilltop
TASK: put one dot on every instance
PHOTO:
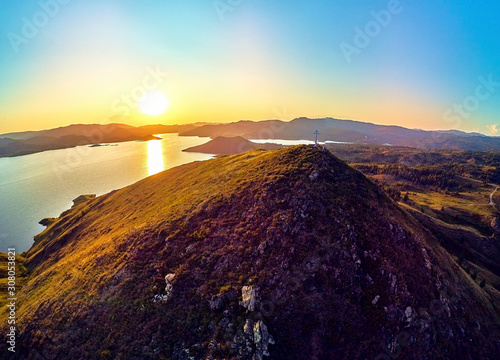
(316, 141)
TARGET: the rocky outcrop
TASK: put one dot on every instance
(216, 303)
(168, 289)
(168, 281)
(262, 339)
(253, 343)
(249, 296)
(83, 199)
(495, 224)
(314, 175)
(47, 222)
(220, 301)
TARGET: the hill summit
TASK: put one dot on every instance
(286, 254)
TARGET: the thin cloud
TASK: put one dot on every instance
(493, 129)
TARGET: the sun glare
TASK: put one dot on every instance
(153, 103)
(155, 157)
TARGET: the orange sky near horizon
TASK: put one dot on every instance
(185, 117)
(260, 61)
(186, 106)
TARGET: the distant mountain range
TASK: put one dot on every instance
(29, 142)
(349, 131)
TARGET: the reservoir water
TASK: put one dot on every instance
(37, 186)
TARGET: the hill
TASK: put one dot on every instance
(92, 129)
(349, 131)
(29, 142)
(288, 253)
(345, 131)
(222, 145)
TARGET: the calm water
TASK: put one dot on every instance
(43, 185)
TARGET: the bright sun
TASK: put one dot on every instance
(153, 103)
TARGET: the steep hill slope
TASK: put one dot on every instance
(287, 253)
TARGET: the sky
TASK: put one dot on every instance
(419, 64)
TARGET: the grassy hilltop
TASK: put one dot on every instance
(290, 253)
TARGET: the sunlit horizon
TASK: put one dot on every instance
(141, 120)
(418, 67)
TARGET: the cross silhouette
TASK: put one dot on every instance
(316, 133)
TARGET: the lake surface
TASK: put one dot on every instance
(42, 185)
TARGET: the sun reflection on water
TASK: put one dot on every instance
(155, 157)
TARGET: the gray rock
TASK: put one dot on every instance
(409, 314)
(393, 282)
(168, 289)
(262, 339)
(248, 328)
(160, 297)
(213, 345)
(168, 280)
(428, 264)
(262, 247)
(253, 343)
(216, 303)
(249, 298)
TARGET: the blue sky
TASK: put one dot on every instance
(421, 67)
